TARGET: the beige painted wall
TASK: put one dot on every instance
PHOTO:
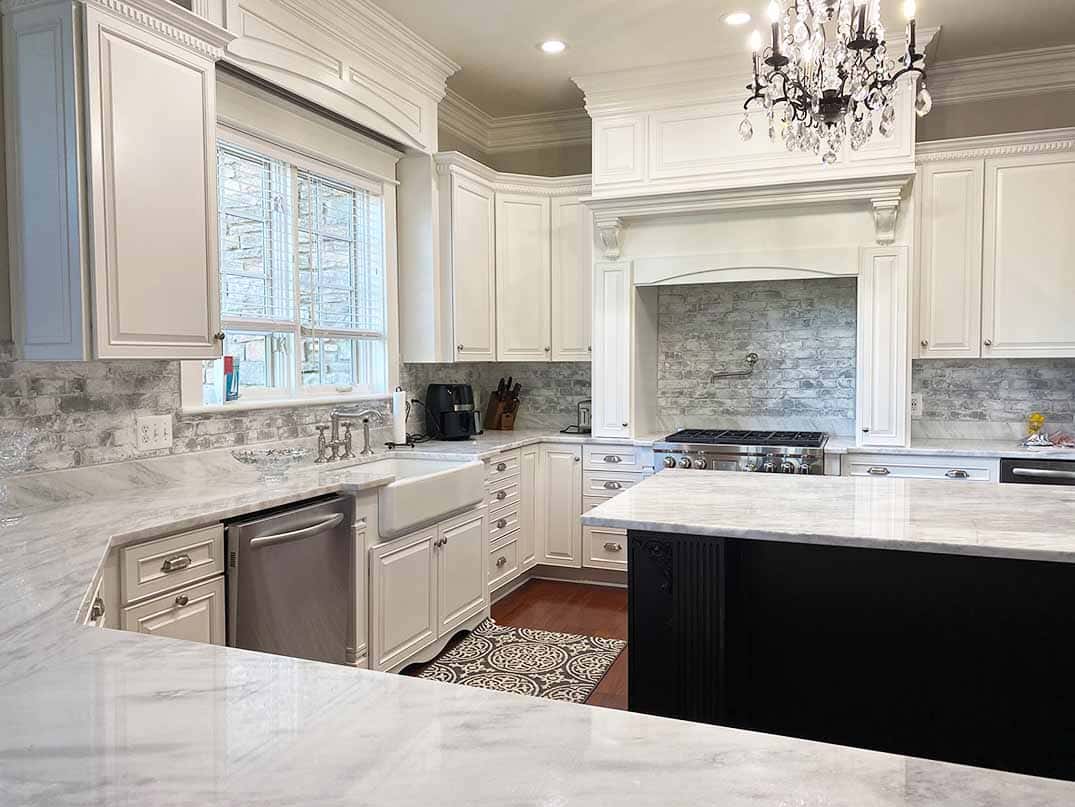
(1016, 114)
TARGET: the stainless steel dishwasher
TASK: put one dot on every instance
(291, 581)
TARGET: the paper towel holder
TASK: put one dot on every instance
(407, 416)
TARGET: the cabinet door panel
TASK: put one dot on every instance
(560, 505)
(153, 179)
(462, 577)
(950, 307)
(1029, 286)
(572, 280)
(195, 614)
(403, 615)
(523, 283)
(883, 347)
(473, 270)
(612, 349)
(529, 501)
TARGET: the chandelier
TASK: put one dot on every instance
(826, 72)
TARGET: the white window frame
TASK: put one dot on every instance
(297, 394)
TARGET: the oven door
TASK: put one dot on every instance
(1037, 472)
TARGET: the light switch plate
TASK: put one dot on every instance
(154, 432)
(916, 406)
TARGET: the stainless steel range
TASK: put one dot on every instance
(740, 450)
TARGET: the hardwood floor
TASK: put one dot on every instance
(574, 608)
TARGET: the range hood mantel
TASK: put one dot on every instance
(883, 194)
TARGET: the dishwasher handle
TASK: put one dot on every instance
(296, 535)
(1043, 473)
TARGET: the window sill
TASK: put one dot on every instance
(277, 403)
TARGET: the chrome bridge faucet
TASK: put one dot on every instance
(329, 450)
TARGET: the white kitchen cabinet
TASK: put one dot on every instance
(1028, 289)
(612, 338)
(112, 182)
(572, 279)
(884, 367)
(950, 259)
(403, 603)
(560, 505)
(471, 249)
(529, 502)
(195, 613)
(523, 277)
(925, 466)
(462, 582)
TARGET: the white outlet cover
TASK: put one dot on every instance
(916, 406)
(153, 432)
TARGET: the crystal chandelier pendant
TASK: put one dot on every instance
(923, 103)
(746, 130)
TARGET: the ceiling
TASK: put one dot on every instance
(504, 73)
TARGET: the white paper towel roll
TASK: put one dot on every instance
(399, 416)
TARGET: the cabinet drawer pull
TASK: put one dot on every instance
(612, 459)
(957, 473)
(97, 610)
(182, 601)
(613, 486)
(501, 495)
(878, 471)
(501, 561)
(176, 563)
(501, 523)
(612, 546)
(502, 466)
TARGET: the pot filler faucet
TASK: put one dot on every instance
(329, 450)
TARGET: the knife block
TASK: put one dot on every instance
(500, 414)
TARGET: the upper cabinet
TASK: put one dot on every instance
(996, 248)
(512, 271)
(112, 182)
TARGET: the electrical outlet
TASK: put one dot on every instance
(916, 406)
(154, 432)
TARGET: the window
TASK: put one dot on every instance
(302, 278)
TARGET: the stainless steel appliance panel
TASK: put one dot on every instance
(1037, 472)
(291, 582)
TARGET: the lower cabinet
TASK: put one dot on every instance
(560, 498)
(426, 584)
(529, 462)
(195, 613)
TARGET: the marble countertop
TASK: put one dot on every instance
(991, 448)
(1008, 521)
(94, 716)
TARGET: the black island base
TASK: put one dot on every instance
(957, 658)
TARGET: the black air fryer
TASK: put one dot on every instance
(450, 412)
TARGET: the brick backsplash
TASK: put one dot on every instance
(802, 330)
(996, 390)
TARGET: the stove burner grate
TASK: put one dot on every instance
(743, 437)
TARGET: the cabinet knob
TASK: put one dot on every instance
(625, 424)
(501, 495)
(578, 459)
(988, 342)
(182, 601)
(502, 466)
(219, 336)
(548, 349)
(458, 347)
(501, 561)
(501, 523)
(925, 343)
(865, 429)
(589, 348)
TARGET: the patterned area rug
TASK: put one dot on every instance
(559, 666)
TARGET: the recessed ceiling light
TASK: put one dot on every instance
(737, 18)
(553, 46)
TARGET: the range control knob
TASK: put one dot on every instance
(669, 462)
(750, 467)
(804, 469)
(769, 468)
(787, 467)
(701, 464)
(684, 462)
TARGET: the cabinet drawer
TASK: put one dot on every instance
(613, 458)
(607, 483)
(503, 493)
(502, 466)
(956, 469)
(503, 523)
(605, 548)
(503, 564)
(195, 613)
(155, 566)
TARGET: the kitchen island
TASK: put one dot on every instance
(909, 616)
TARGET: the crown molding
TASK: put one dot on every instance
(1045, 141)
(982, 78)
(698, 81)
(453, 162)
(495, 135)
